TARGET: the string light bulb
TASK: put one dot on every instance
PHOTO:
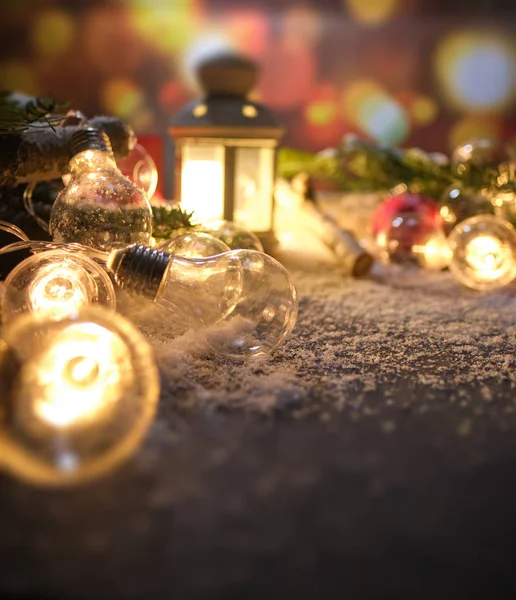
(233, 235)
(77, 395)
(194, 245)
(56, 282)
(99, 207)
(483, 252)
(245, 299)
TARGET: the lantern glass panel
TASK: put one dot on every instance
(202, 180)
(254, 175)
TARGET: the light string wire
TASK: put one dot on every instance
(28, 194)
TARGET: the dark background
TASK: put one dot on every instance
(329, 66)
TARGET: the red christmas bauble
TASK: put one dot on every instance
(404, 222)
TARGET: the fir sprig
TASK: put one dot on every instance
(32, 114)
(169, 220)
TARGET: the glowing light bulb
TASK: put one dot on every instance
(194, 245)
(233, 235)
(78, 395)
(245, 299)
(434, 254)
(56, 282)
(99, 206)
(483, 252)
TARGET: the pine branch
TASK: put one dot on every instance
(169, 220)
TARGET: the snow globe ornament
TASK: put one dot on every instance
(403, 225)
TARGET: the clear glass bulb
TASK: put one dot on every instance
(194, 245)
(56, 282)
(434, 254)
(483, 252)
(245, 299)
(78, 395)
(99, 206)
(141, 169)
(233, 235)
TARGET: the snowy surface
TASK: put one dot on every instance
(372, 456)
(352, 338)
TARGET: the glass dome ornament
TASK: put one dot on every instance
(78, 395)
(99, 207)
(483, 252)
(56, 282)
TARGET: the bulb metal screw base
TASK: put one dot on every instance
(89, 139)
(140, 269)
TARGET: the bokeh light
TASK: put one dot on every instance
(52, 33)
(288, 76)
(110, 42)
(301, 26)
(477, 70)
(372, 12)
(19, 76)
(474, 127)
(322, 123)
(374, 112)
(422, 110)
(168, 26)
(249, 30)
(121, 97)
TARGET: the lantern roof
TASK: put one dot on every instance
(225, 110)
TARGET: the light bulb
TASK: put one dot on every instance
(194, 245)
(483, 252)
(77, 394)
(99, 207)
(245, 299)
(56, 282)
(141, 169)
(434, 254)
(233, 235)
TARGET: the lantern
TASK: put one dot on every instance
(225, 149)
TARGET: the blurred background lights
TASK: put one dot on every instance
(166, 25)
(52, 33)
(18, 75)
(477, 70)
(288, 76)
(375, 113)
(250, 30)
(423, 110)
(474, 127)
(121, 97)
(372, 12)
(301, 25)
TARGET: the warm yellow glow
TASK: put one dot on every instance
(447, 215)
(249, 111)
(200, 110)
(488, 256)
(78, 376)
(435, 253)
(59, 289)
(202, 187)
